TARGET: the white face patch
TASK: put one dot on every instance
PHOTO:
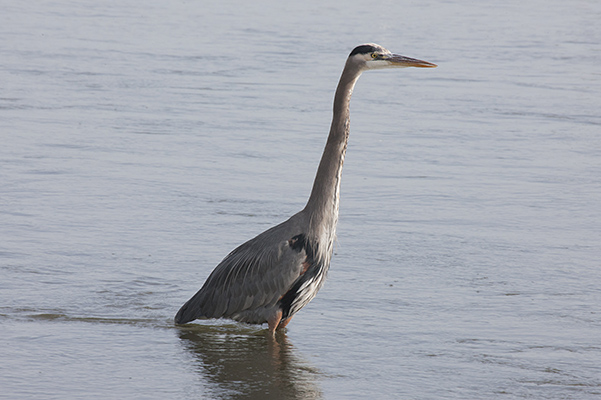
(382, 64)
(377, 64)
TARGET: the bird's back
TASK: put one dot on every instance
(262, 275)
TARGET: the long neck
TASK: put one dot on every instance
(324, 200)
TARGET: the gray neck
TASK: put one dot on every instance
(322, 205)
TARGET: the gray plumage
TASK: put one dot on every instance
(274, 275)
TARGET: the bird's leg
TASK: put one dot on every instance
(284, 322)
(274, 321)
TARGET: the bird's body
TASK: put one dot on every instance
(272, 276)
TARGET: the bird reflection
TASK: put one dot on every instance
(246, 363)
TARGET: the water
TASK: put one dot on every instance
(142, 142)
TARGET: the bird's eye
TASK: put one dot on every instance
(374, 55)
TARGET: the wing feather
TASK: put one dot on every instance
(254, 275)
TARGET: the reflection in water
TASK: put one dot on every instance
(244, 363)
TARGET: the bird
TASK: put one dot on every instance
(269, 278)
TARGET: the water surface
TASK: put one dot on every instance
(141, 143)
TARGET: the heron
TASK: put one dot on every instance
(269, 278)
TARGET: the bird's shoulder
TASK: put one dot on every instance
(280, 247)
(267, 264)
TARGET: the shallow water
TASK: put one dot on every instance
(141, 143)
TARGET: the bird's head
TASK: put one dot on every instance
(374, 56)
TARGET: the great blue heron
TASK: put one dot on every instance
(271, 277)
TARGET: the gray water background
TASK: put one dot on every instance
(142, 141)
